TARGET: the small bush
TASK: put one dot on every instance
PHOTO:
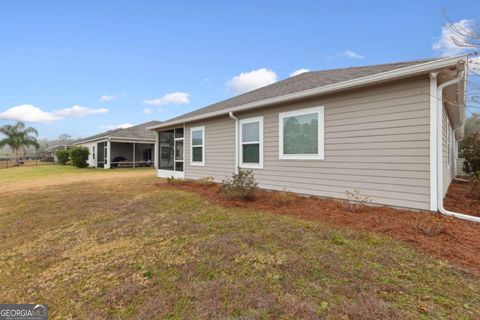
(79, 156)
(429, 228)
(475, 185)
(62, 156)
(355, 201)
(206, 181)
(241, 186)
(471, 153)
(284, 198)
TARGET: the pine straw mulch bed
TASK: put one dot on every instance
(454, 240)
(460, 198)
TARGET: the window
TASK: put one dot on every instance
(93, 152)
(197, 142)
(251, 143)
(301, 134)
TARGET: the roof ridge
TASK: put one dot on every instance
(305, 81)
(371, 65)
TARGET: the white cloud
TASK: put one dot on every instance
(78, 111)
(31, 113)
(148, 110)
(107, 98)
(28, 113)
(352, 55)
(299, 71)
(117, 126)
(445, 45)
(174, 98)
(248, 81)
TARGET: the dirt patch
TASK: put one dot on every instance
(456, 241)
(460, 198)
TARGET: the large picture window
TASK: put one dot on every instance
(251, 143)
(301, 134)
(197, 143)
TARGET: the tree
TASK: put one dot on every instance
(466, 36)
(17, 137)
(64, 136)
(471, 152)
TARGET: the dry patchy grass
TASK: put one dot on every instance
(122, 248)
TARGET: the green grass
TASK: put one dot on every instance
(126, 249)
(46, 171)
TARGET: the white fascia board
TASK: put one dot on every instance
(101, 139)
(115, 139)
(417, 69)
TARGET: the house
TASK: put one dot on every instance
(130, 147)
(50, 154)
(389, 131)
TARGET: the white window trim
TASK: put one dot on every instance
(260, 142)
(321, 143)
(197, 163)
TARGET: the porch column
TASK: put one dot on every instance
(134, 154)
(155, 149)
(107, 159)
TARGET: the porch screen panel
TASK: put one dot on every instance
(166, 150)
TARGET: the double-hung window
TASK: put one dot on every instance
(197, 143)
(251, 143)
(301, 134)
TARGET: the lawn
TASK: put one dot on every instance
(27, 173)
(120, 247)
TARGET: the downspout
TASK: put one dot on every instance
(439, 151)
(230, 114)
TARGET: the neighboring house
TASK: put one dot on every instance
(130, 147)
(50, 154)
(380, 129)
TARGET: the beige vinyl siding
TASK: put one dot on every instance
(447, 170)
(219, 149)
(376, 141)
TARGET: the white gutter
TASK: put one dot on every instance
(421, 68)
(230, 114)
(439, 152)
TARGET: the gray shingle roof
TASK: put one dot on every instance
(301, 82)
(136, 132)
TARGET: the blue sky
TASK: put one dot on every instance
(152, 60)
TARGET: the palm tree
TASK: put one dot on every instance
(18, 137)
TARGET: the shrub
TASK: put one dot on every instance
(79, 156)
(471, 153)
(62, 156)
(283, 198)
(355, 201)
(241, 186)
(429, 228)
